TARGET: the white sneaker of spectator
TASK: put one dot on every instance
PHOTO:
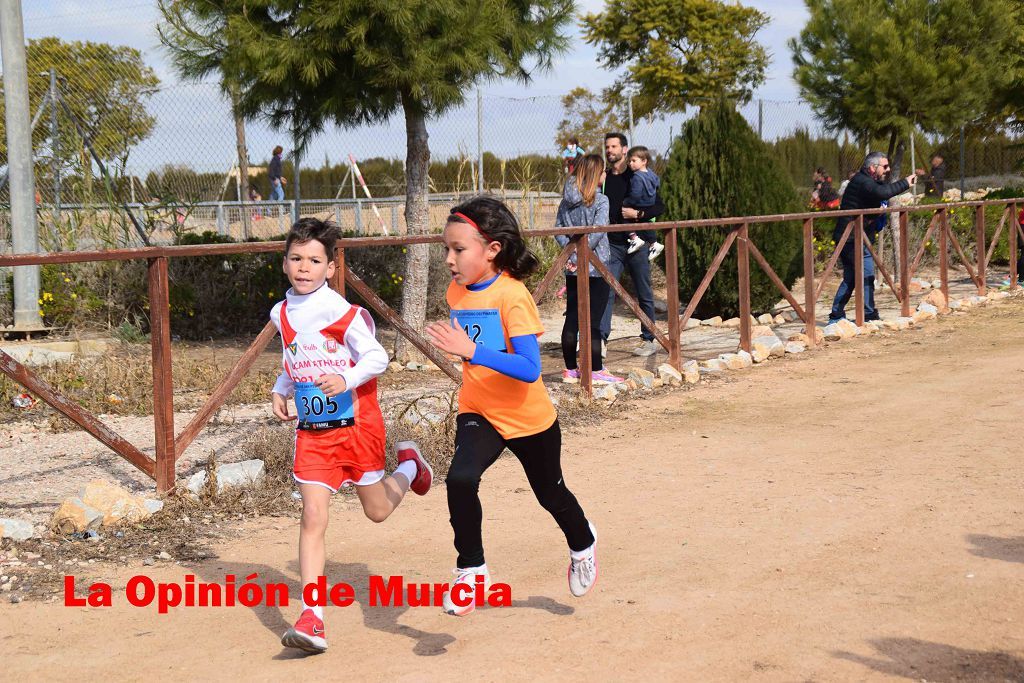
(635, 243)
(655, 251)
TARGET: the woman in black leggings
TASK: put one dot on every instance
(584, 204)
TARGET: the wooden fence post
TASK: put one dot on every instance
(810, 292)
(672, 287)
(979, 239)
(743, 260)
(858, 267)
(163, 382)
(944, 254)
(583, 308)
(904, 264)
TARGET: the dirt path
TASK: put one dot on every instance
(852, 514)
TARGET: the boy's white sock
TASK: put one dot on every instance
(408, 469)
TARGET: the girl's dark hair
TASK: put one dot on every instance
(497, 223)
(278, 149)
(309, 229)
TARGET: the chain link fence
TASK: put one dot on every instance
(122, 149)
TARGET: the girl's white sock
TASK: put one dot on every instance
(317, 609)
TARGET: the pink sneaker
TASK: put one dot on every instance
(604, 377)
(307, 634)
(570, 376)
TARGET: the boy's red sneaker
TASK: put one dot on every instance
(307, 634)
(408, 450)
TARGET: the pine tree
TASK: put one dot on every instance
(720, 168)
(193, 31)
(889, 68)
(679, 53)
(309, 64)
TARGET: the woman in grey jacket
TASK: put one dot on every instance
(583, 204)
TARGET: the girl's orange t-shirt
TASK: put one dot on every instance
(492, 316)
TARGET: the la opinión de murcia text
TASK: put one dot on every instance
(381, 591)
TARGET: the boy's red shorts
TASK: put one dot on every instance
(336, 457)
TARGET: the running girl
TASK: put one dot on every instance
(331, 361)
(494, 328)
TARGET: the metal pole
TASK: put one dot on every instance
(479, 141)
(632, 135)
(35, 121)
(24, 232)
(963, 163)
(760, 119)
(54, 147)
(295, 181)
(913, 164)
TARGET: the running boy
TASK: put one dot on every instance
(494, 328)
(643, 186)
(331, 362)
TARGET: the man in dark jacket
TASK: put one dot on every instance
(935, 181)
(867, 190)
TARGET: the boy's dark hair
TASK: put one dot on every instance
(574, 141)
(640, 152)
(620, 136)
(497, 223)
(309, 229)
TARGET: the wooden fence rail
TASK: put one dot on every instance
(170, 447)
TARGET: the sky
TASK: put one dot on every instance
(193, 127)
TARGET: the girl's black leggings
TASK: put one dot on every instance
(599, 291)
(477, 446)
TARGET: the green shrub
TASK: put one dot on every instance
(719, 168)
(961, 221)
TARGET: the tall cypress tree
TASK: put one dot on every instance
(720, 168)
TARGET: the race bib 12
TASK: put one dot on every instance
(483, 325)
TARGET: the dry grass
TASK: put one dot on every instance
(189, 526)
(120, 382)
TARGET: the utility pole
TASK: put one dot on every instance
(24, 233)
(54, 148)
(963, 166)
(295, 175)
(632, 136)
(479, 142)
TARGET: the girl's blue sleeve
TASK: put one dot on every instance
(523, 364)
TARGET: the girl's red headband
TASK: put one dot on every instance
(469, 220)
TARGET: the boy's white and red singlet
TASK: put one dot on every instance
(323, 334)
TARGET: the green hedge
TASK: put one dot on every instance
(719, 168)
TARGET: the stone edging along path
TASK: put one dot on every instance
(716, 351)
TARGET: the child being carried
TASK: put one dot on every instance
(643, 186)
